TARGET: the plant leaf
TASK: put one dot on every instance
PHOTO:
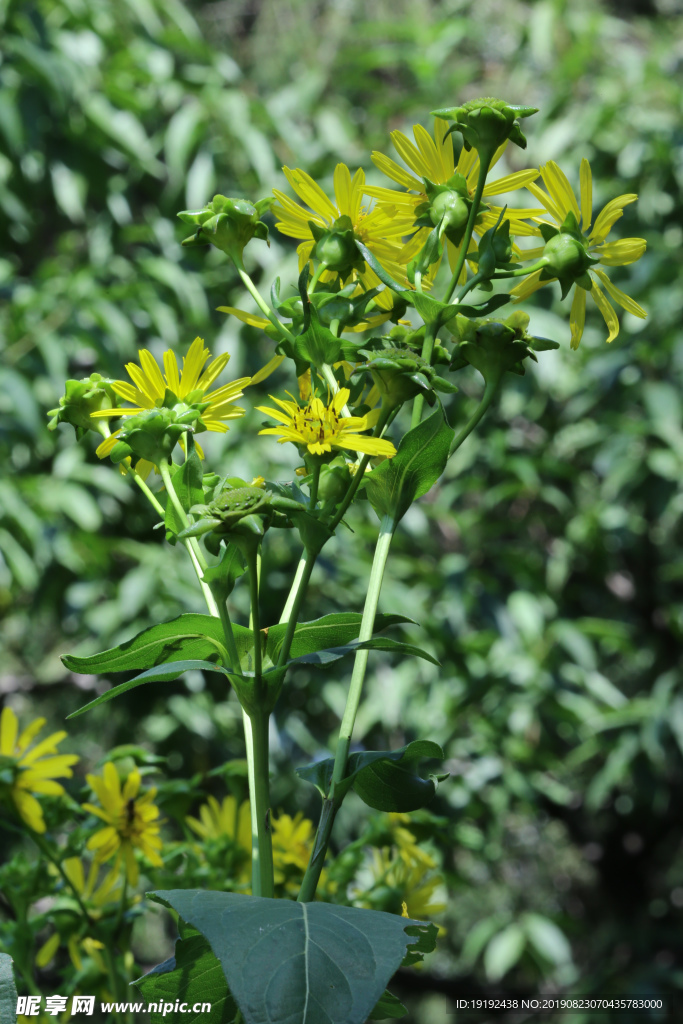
(195, 976)
(189, 636)
(419, 462)
(388, 1005)
(289, 963)
(376, 643)
(384, 779)
(329, 631)
(8, 991)
(161, 674)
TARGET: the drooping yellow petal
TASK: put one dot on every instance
(625, 301)
(577, 316)
(266, 370)
(607, 311)
(246, 318)
(9, 726)
(607, 217)
(620, 253)
(586, 182)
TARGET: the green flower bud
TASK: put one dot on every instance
(566, 255)
(485, 124)
(399, 374)
(229, 224)
(335, 247)
(80, 399)
(153, 434)
(447, 207)
(493, 346)
(334, 481)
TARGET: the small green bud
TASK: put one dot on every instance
(334, 481)
(153, 434)
(229, 224)
(80, 399)
(566, 255)
(335, 247)
(485, 124)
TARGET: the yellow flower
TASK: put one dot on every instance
(433, 158)
(149, 387)
(292, 842)
(380, 228)
(131, 821)
(322, 427)
(559, 200)
(96, 897)
(33, 767)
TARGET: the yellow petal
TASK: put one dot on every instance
(607, 311)
(193, 364)
(9, 727)
(558, 185)
(266, 370)
(152, 372)
(577, 316)
(47, 950)
(586, 180)
(394, 171)
(607, 217)
(246, 318)
(528, 286)
(511, 182)
(621, 253)
(172, 374)
(629, 304)
(311, 193)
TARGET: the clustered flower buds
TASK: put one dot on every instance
(228, 224)
(486, 124)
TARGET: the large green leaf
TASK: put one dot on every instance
(300, 963)
(8, 992)
(190, 636)
(419, 462)
(384, 779)
(388, 1006)
(194, 976)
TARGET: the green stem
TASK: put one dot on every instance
(330, 804)
(47, 852)
(262, 883)
(485, 158)
(296, 604)
(296, 584)
(313, 495)
(490, 390)
(231, 646)
(427, 349)
(316, 277)
(151, 497)
(351, 493)
(262, 304)
(119, 993)
(191, 544)
(253, 565)
(520, 272)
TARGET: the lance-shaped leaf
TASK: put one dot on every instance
(189, 636)
(8, 991)
(419, 462)
(161, 674)
(329, 631)
(194, 976)
(384, 779)
(376, 643)
(300, 963)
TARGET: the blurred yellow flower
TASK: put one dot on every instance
(131, 821)
(149, 388)
(559, 200)
(320, 428)
(31, 769)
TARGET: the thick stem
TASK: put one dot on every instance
(490, 390)
(296, 584)
(259, 785)
(253, 570)
(485, 158)
(330, 805)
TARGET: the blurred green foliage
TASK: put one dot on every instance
(545, 570)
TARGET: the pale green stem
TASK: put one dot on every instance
(296, 605)
(151, 497)
(316, 277)
(484, 164)
(259, 791)
(489, 394)
(427, 349)
(330, 805)
(296, 584)
(191, 543)
(262, 304)
(253, 567)
(521, 271)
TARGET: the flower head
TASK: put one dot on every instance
(320, 428)
(560, 202)
(432, 158)
(151, 390)
(131, 821)
(227, 820)
(27, 769)
(380, 227)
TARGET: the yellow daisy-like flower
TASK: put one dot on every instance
(320, 428)
(381, 228)
(131, 821)
(292, 842)
(34, 767)
(559, 200)
(434, 158)
(192, 385)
